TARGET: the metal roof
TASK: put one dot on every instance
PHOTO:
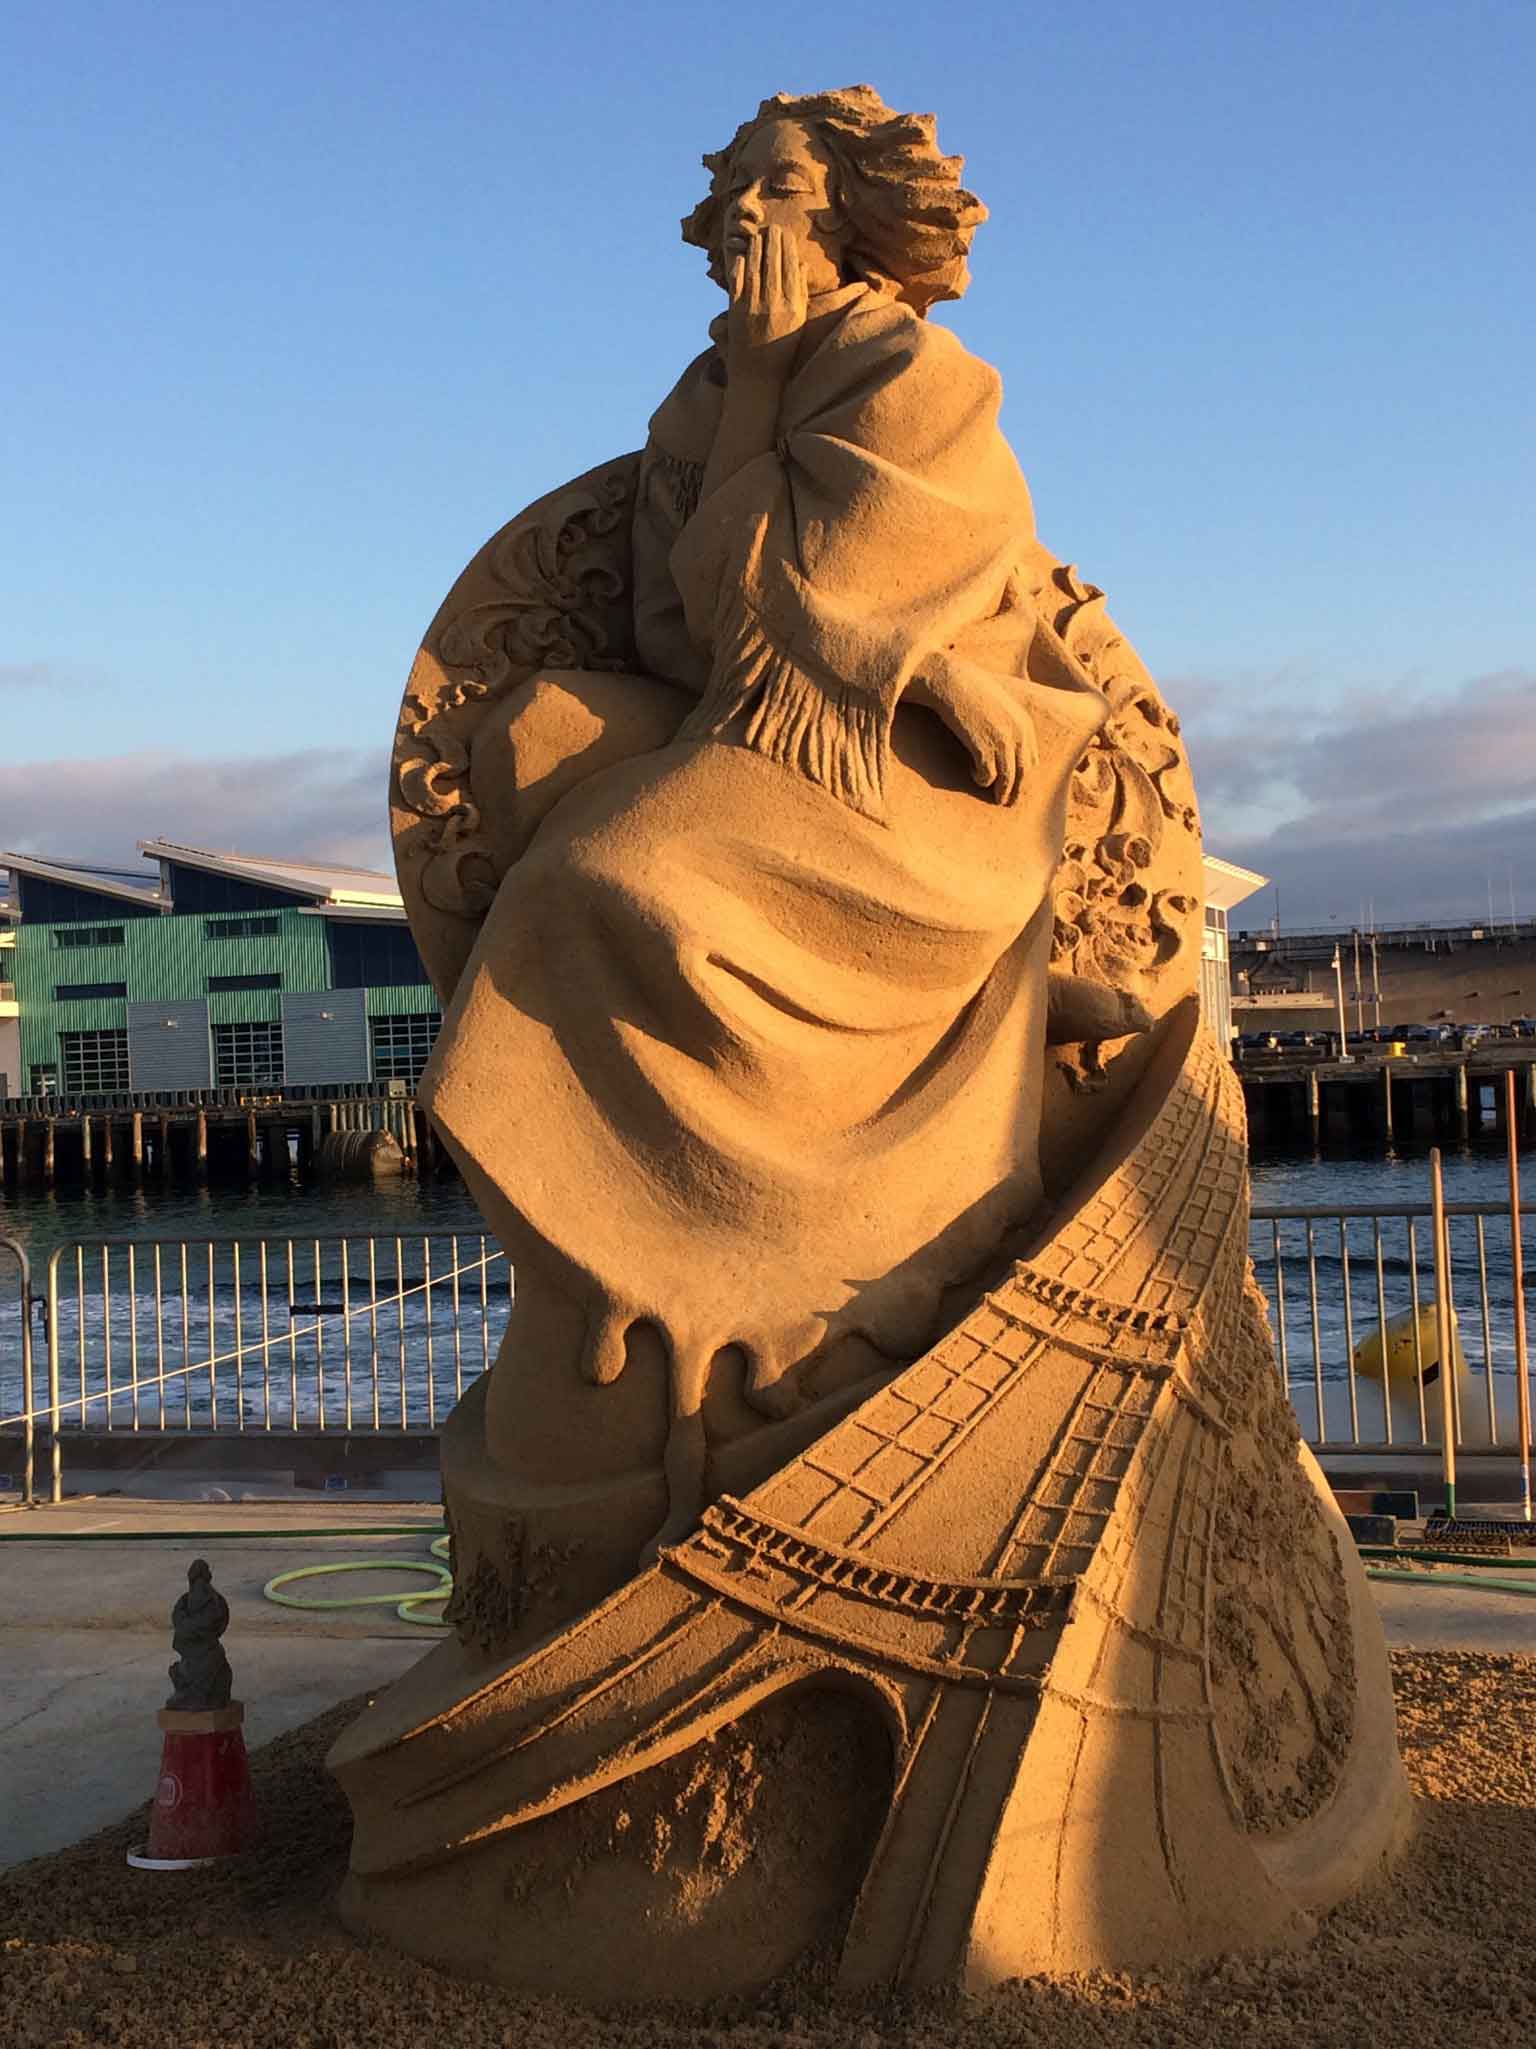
(1227, 885)
(356, 914)
(320, 880)
(130, 884)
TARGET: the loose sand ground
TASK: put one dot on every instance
(250, 1955)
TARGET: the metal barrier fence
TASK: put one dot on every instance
(1336, 1276)
(368, 1333)
(355, 1332)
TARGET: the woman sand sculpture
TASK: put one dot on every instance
(767, 805)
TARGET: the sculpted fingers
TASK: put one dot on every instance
(1014, 777)
(784, 298)
(796, 297)
(986, 764)
(1023, 754)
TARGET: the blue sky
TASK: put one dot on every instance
(306, 300)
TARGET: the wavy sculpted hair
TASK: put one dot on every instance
(910, 220)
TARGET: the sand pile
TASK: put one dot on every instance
(250, 1956)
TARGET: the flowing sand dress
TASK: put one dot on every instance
(752, 1039)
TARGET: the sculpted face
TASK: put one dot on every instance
(783, 177)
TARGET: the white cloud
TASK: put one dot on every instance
(328, 804)
(1416, 800)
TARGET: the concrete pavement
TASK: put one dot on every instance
(85, 1640)
(1459, 1618)
(85, 1637)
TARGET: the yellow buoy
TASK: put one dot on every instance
(1400, 1350)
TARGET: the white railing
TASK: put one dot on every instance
(362, 1333)
(372, 1334)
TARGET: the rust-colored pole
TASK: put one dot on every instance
(1445, 1342)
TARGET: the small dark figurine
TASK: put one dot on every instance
(201, 1674)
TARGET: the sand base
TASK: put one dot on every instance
(250, 1955)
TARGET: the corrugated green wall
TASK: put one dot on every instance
(408, 999)
(170, 959)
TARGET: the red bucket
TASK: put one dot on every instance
(204, 1804)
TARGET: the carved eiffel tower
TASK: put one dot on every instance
(1009, 1548)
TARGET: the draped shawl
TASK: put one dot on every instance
(752, 1037)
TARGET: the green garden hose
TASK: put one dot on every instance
(1411, 1554)
(405, 1605)
(1451, 1579)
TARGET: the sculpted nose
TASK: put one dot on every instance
(747, 209)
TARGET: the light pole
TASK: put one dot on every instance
(1359, 991)
(1338, 981)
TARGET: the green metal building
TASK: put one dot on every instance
(213, 969)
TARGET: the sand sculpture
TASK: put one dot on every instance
(883, 1536)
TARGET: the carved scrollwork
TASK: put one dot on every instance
(549, 592)
(1132, 790)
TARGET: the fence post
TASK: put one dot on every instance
(28, 1391)
(1445, 1340)
(56, 1486)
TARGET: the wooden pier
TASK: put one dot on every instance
(224, 1134)
(1375, 1098)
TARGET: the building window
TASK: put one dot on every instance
(94, 1062)
(45, 1078)
(82, 992)
(372, 956)
(248, 1055)
(195, 889)
(88, 935)
(59, 903)
(267, 927)
(401, 1045)
(218, 982)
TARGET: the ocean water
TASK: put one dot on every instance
(375, 1305)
